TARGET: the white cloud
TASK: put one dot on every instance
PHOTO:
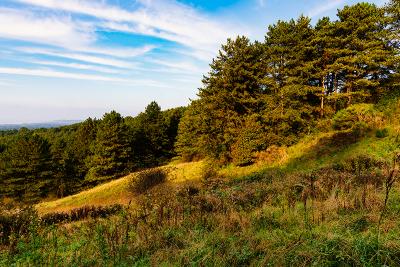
(325, 7)
(120, 52)
(164, 19)
(80, 57)
(75, 66)
(182, 66)
(56, 74)
(60, 31)
(49, 73)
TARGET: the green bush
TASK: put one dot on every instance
(382, 133)
(359, 113)
(147, 179)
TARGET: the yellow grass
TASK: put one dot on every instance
(116, 192)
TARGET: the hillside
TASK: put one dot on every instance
(116, 192)
(289, 156)
(289, 208)
(313, 152)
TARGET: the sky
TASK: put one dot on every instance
(74, 59)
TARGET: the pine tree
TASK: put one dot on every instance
(111, 149)
(27, 168)
(231, 91)
(290, 91)
(362, 56)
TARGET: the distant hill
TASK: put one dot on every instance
(51, 124)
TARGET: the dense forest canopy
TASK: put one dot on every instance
(272, 93)
(256, 94)
(60, 161)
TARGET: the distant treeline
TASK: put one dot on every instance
(259, 94)
(60, 161)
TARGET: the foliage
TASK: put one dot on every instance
(56, 162)
(273, 93)
(147, 179)
(80, 214)
(359, 113)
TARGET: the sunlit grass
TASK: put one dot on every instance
(116, 192)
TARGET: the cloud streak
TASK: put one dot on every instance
(58, 31)
(57, 74)
(75, 66)
(325, 7)
(163, 19)
(105, 61)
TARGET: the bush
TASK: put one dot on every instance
(81, 214)
(15, 223)
(360, 113)
(147, 179)
(382, 133)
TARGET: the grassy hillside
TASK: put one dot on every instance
(116, 192)
(311, 153)
(319, 202)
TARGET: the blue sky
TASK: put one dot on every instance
(71, 59)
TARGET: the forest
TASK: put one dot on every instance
(289, 156)
(35, 164)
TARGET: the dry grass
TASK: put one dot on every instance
(116, 192)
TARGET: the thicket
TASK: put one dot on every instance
(35, 164)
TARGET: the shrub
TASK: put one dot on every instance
(147, 179)
(80, 214)
(16, 222)
(349, 117)
(382, 133)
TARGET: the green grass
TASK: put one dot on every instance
(258, 215)
(116, 192)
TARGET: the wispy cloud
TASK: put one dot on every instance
(50, 73)
(120, 52)
(325, 6)
(79, 57)
(164, 19)
(49, 30)
(75, 66)
(57, 74)
(182, 66)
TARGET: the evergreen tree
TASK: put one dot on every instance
(290, 96)
(231, 91)
(26, 166)
(111, 149)
(363, 58)
(81, 146)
